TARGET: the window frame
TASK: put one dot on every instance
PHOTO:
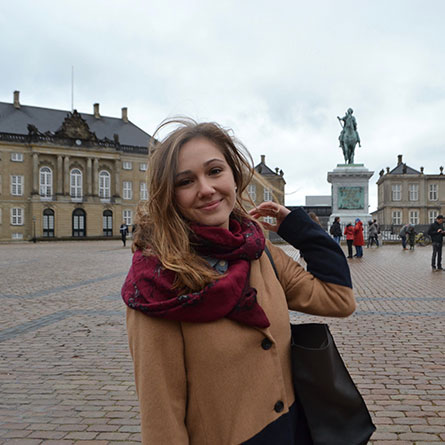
(127, 165)
(77, 186)
(143, 191)
(396, 220)
(16, 156)
(432, 215)
(434, 192)
(104, 175)
(267, 194)
(19, 185)
(413, 217)
(143, 167)
(396, 189)
(127, 217)
(19, 216)
(127, 190)
(251, 191)
(48, 185)
(413, 192)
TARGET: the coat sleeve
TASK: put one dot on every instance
(157, 349)
(325, 288)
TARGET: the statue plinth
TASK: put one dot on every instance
(350, 193)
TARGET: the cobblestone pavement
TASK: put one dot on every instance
(66, 374)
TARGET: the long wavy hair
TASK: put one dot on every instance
(161, 228)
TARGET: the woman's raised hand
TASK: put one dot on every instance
(272, 209)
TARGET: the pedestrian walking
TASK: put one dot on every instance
(436, 232)
(124, 232)
(359, 240)
(403, 235)
(349, 233)
(208, 320)
(372, 234)
(335, 230)
(377, 237)
(411, 234)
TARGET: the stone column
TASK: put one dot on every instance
(59, 175)
(117, 178)
(96, 177)
(89, 177)
(66, 176)
(35, 173)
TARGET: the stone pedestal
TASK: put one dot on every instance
(350, 193)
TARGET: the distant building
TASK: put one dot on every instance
(320, 205)
(406, 195)
(68, 175)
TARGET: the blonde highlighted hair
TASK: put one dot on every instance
(161, 229)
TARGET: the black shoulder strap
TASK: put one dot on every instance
(271, 260)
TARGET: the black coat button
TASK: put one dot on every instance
(279, 406)
(266, 344)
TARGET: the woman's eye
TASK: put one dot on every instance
(215, 170)
(183, 182)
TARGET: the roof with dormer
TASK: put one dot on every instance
(403, 169)
(50, 121)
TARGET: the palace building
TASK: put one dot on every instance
(406, 195)
(70, 175)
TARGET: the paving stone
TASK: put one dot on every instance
(66, 367)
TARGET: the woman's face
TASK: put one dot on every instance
(204, 184)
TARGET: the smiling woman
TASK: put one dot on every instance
(207, 317)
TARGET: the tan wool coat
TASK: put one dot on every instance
(216, 383)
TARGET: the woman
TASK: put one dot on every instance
(349, 233)
(359, 240)
(335, 230)
(208, 320)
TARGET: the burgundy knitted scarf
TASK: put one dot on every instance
(148, 286)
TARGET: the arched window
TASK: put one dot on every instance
(46, 182)
(48, 223)
(107, 219)
(76, 183)
(104, 184)
(79, 223)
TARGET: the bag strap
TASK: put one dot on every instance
(271, 260)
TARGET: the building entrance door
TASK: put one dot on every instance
(108, 223)
(79, 223)
(48, 223)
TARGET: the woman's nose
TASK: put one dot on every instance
(205, 188)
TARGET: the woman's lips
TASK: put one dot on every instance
(210, 206)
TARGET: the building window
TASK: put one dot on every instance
(104, 184)
(433, 192)
(127, 216)
(17, 236)
(267, 194)
(432, 215)
(396, 192)
(48, 223)
(143, 167)
(127, 165)
(17, 157)
(17, 216)
(79, 223)
(46, 182)
(143, 192)
(270, 220)
(76, 183)
(251, 190)
(397, 217)
(17, 185)
(107, 223)
(413, 217)
(128, 189)
(413, 192)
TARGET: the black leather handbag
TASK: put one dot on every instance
(334, 408)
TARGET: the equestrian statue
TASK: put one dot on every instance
(349, 136)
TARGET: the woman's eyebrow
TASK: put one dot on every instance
(206, 163)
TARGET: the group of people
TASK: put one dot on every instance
(354, 235)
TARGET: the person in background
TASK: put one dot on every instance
(335, 230)
(372, 234)
(349, 233)
(207, 317)
(411, 233)
(403, 234)
(359, 240)
(436, 232)
(124, 232)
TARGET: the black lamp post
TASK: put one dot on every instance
(34, 239)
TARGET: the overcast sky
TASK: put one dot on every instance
(277, 73)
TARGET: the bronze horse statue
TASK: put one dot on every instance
(349, 136)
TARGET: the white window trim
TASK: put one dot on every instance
(20, 185)
(127, 217)
(251, 191)
(432, 215)
(267, 194)
(16, 157)
(76, 196)
(127, 165)
(413, 192)
(396, 220)
(19, 216)
(413, 217)
(143, 191)
(396, 192)
(104, 192)
(433, 189)
(48, 186)
(127, 190)
(143, 167)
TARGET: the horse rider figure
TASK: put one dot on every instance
(349, 122)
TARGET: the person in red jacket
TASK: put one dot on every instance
(359, 241)
(349, 233)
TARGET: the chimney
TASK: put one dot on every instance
(96, 111)
(263, 159)
(441, 170)
(125, 114)
(17, 99)
(399, 159)
(421, 170)
(387, 169)
(277, 170)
